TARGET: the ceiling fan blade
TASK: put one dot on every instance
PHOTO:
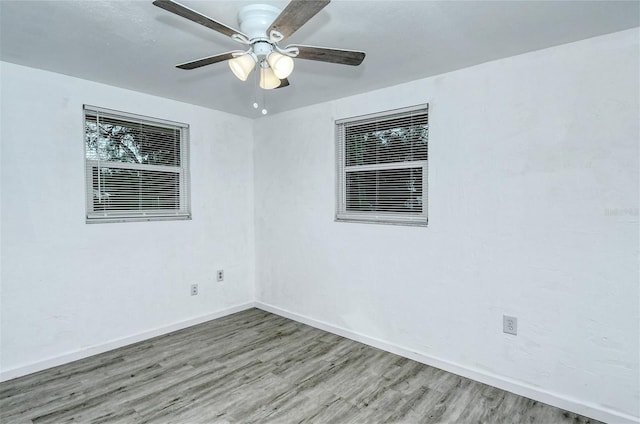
(296, 14)
(324, 54)
(283, 83)
(207, 60)
(197, 17)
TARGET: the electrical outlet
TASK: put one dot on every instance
(510, 325)
(220, 275)
(194, 289)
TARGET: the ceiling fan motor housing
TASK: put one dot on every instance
(255, 19)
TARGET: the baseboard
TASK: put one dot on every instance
(520, 388)
(114, 344)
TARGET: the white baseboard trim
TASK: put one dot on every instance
(520, 388)
(114, 344)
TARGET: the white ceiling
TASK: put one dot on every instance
(135, 45)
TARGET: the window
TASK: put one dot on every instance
(136, 167)
(382, 167)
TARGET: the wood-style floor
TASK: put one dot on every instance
(256, 367)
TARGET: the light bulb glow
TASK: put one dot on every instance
(282, 65)
(264, 111)
(255, 105)
(268, 80)
(242, 66)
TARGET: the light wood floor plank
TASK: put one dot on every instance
(256, 367)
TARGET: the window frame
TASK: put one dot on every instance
(183, 170)
(378, 217)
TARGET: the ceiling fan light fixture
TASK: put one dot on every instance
(268, 80)
(242, 66)
(262, 29)
(282, 65)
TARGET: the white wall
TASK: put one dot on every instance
(533, 212)
(70, 288)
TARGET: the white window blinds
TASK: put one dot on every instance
(382, 167)
(136, 167)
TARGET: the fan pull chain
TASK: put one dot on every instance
(264, 103)
(255, 90)
(258, 95)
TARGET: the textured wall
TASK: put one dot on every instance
(533, 204)
(67, 285)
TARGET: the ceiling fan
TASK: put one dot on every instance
(263, 28)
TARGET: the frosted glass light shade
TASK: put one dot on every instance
(268, 79)
(282, 65)
(242, 66)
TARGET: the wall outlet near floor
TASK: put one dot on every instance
(220, 275)
(194, 289)
(510, 325)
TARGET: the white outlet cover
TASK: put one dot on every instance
(510, 325)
